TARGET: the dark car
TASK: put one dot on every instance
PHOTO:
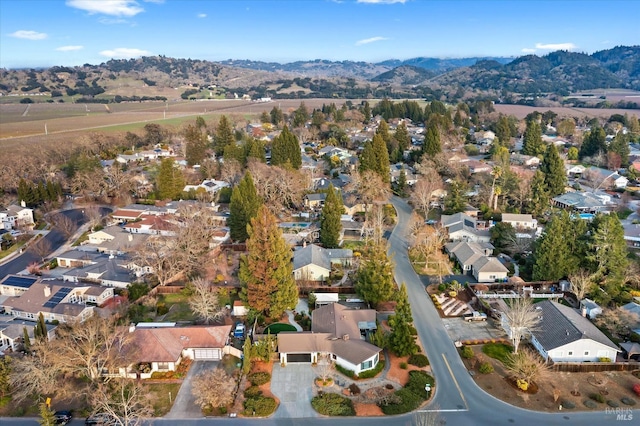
(63, 417)
(100, 419)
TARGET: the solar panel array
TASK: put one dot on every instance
(57, 298)
(23, 282)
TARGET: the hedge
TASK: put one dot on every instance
(412, 395)
(333, 404)
(252, 391)
(259, 406)
(259, 378)
(373, 372)
(419, 360)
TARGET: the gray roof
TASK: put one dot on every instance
(452, 219)
(579, 200)
(107, 268)
(561, 325)
(317, 197)
(632, 307)
(513, 217)
(489, 264)
(467, 253)
(80, 255)
(313, 254)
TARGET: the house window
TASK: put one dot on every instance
(366, 365)
(570, 353)
(333, 357)
(163, 366)
(586, 353)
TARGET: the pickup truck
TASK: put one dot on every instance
(475, 316)
(238, 332)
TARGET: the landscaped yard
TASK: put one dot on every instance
(178, 308)
(278, 327)
(162, 396)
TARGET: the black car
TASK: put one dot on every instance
(100, 419)
(63, 417)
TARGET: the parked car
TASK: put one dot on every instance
(100, 419)
(63, 417)
(475, 316)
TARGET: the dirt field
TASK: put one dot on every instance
(572, 388)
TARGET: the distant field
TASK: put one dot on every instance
(521, 111)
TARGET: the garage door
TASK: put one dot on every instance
(212, 354)
(298, 357)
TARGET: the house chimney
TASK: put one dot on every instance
(132, 328)
(47, 291)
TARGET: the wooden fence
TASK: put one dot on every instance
(592, 367)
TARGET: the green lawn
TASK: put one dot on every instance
(278, 327)
(12, 249)
(163, 395)
(81, 239)
(498, 351)
(178, 305)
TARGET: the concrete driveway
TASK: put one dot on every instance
(459, 329)
(293, 385)
(184, 406)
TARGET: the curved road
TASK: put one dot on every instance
(458, 399)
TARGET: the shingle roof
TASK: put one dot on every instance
(512, 217)
(489, 264)
(316, 255)
(561, 325)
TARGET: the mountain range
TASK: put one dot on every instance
(560, 72)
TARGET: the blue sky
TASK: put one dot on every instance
(37, 33)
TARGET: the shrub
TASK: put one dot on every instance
(597, 397)
(409, 401)
(486, 368)
(419, 360)
(604, 359)
(373, 372)
(333, 404)
(259, 406)
(589, 403)
(354, 389)
(417, 382)
(442, 287)
(636, 389)
(252, 391)
(403, 365)
(567, 404)
(349, 373)
(259, 378)
(627, 401)
(612, 403)
(467, 352)
(161, 308)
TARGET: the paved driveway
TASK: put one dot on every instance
(293, 386)
(184, 406)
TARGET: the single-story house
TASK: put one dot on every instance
(12, 332)
(563, 335)
(489, 270)
(313, 263)
(338, 332)
(462, 227)
(113, 240)
(606, 178)
(520, 221)
(151, 225)
(632, 235)
(162, 347)
(466, 253)
(582, 202)
(574, 169)
(325, 298)
(210, 186)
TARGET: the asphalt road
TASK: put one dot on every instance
(458, 399)
(55, 238)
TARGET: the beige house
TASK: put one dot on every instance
(520, 221)
(314, 263)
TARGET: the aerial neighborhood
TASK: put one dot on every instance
(266, 245)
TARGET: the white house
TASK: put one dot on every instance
(520, 221)
(563, 335)
(16, 216)
(462, 227)
(337, 332)
(210, 186)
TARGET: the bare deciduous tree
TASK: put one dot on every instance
(213, 388)
(126, 401)
(41, 248)
(231, 171)
(581, 283)
(37, 374)
(92, 213)
(64, 224)
(324, 366)
(618, 321)
(91, 347)
(204, 302)
(374, 225)
(117, 180)
(423, 190)
(157, 255)
(527, 366)
(521, 318)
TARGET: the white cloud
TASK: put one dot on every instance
(124, 53)
(69, 48)
(370, 40)
(29, 35)
(528, 50)
(154, 1)
(382, 1)
(112, 21)
(107, 7)
(201, 15)
(556, 46)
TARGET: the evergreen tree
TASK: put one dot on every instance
(170, 181)
(402, 137)
(607, 252)
(26, 193)
(265, 118)
(401, 339)
(47, 416)
(286, 149)
(532, 144)
(277, 116)
(374, 280)
(432, 145)
(367, 157)
(620, 145)
(382, 158)
(243, 207)
(558, 251)
(253, 148)
(456, 200)
(26, 341)
(401, 184)
(366, 111)
(539, 196)
(196, 145)
(594, 142)
(383, 131)
(223, 136)
(330, 226)
(267, 271)
(503, 130)
(552, 166)
(300, 115)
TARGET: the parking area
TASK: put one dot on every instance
(293, 385)
(459, 329)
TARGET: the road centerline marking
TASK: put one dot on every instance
(455, 382)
